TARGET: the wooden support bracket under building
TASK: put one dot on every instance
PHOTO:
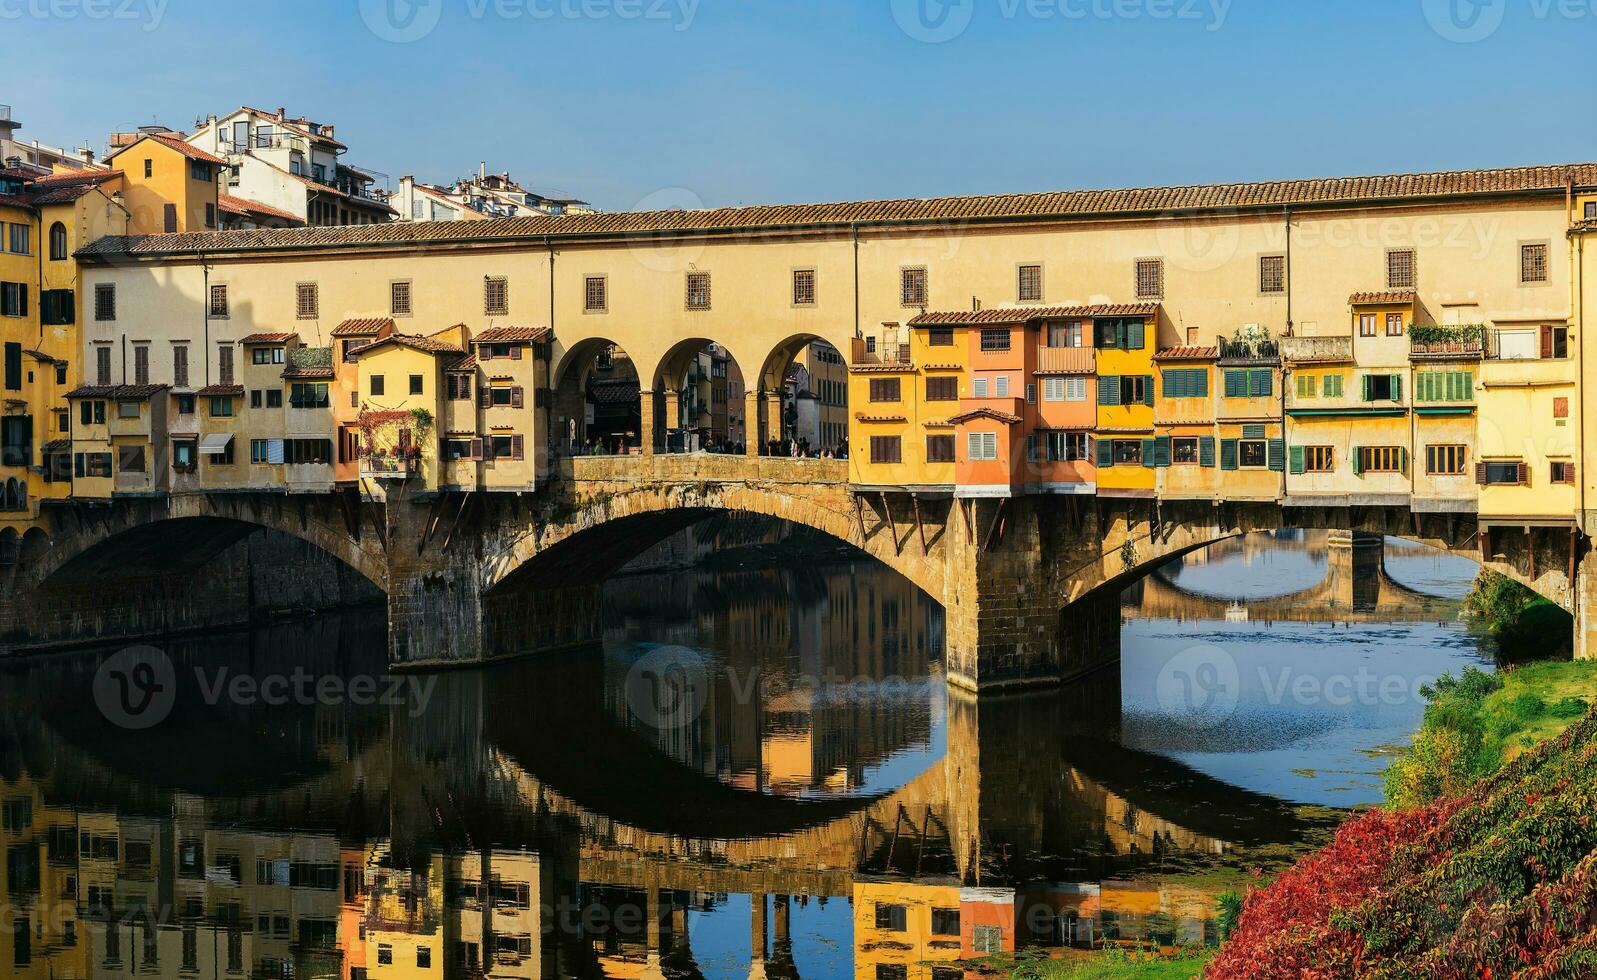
(970, 529)
(1573, 536)
(349, 505)
(1530, 548)
(892, 528)
(996, 526)
(377, 524)
(919, 525)
(859, 518)
(434, 515)
(449, 537)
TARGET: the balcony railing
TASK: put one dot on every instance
(1307, 350)
(1430, 342)
(1066, 360)
(1251, 351)
(5, 113)
(884, 354)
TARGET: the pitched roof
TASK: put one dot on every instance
(268, 338)
(243, 205)
(1000, 315)
(304, 372)
(115, 391)
(173, 142)
(1386, 297)
(426, 345)
(1187, 353)
(985, 413)
(211, 391)
(512, 335)
(369, 326)
(841, 216)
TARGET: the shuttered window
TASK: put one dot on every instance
(884, 390)
(1186, 383)
(886, 449)
(982, 446)
(940, 449)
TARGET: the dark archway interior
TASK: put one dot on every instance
(598, 401)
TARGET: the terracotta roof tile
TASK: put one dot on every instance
(245, 206)
(512, 335)
(839, 217)
(1386, 297)
(115, 391)
(369, 326)
(1187, 353)
(177, 143)
(211, 391)
(1000, 315)
(268, 338)
(986, 413)
(425, 344)
(293, 373)
(467, 363)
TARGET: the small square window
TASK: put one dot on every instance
(496, 296)
(219, 302)
(912, 287)
(804, 287)
(995, 339)
(306, 301)
(1533, 263)
(595, 294)
(1400, 268)
(698, 291)
(399, 298)
(1028, 285)
(415, 384)
(1150, 278)
(1272, 274)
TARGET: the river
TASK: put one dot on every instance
(761, 771)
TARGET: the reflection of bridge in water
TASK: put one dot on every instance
(528, 772)
(1355, 588)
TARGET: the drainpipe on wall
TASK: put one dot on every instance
(205, 307)
(549, 380)
(854, 230)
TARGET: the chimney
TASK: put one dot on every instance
(482, 171)
(85, 154)
(280, 113)
(13, 163)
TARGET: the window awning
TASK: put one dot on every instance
(216, 443)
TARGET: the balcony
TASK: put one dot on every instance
(389, 467)
(1066, 360)
(1312, 350)
(1449, 343)
(1249, 352)
(885, 355)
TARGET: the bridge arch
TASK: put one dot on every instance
(827, 380)
(697, 385)
(597, 399)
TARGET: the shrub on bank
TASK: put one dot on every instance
(1501, 881)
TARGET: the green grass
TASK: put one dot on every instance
(1109, 964)
(1477, 723)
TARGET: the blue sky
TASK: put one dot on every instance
(631, 103)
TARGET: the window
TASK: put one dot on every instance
(1064, 334)
(1120, 334)
(982, 446)
(1554, 341)
(1444, 386)
(1067, 446)
(260, 450)
(945, 922)
(1509, 474)
(399, 298)
(1313, 459)
(222, 406)
(1383, 388)
(892, 971)
(1394, 324)
(912, 287)
(1446, 460)
(306, 302)
(987, 939)
(1366, 324)
(1562, 471)
(184, 453)
(424, 957)
(57, 307)
(1400, 268)
(266, 355)
(1380, 459)
(385, 954)
(1053, 389)
(130, 459)
(886, 449)
(595, 294)
(58, 242)
(940, 337)
(1028, 285)
(1272, 273)
(1333, 386)
(803, 287)
(219, 302)
(377, 385)
(415, 384)
(1150, 278)
(995, 339)
(978, 388)
(942, 389)
(92, 464)
(1075, 389)
(169, 217)
(224, 364)
(940, 449)
(1591, 210)
(305, 394)
(1184, 450)
(1533, 263)
(1306, 385)
(496, 296)
(1186, 383)
(1001, 386)
(105, 301)
(256, 396)
(13, 299)
(141, 364)
(892, 918)
(1126, 452)
(1252, 453)
(127, 409)
(503, 396)
(1134, 390)
(884, 390)
(149, 168)
(698, 291)
(19, 239)
(457, 387)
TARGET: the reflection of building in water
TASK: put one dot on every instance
(43, 936)
(824, 657)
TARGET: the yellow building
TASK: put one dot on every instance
(904, 925)
(1186, 450)
(403, 380)
(903, 390)
(1126, 396)
(171, 185)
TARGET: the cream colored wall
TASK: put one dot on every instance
(1517, 423)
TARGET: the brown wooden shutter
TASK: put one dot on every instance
(516, 448)
(484, 352)
(515, 353)
(476, 449)
(1547, 341)
(1480, 473)
(515, 397)
(1524, 474)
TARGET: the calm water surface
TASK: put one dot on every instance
(758, 765)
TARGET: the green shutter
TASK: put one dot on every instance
(1106, 453)
(1236, 384)
(1161, 451)
(1333, 386)
(1358, 462)
(1172, 384)
(1425, 386)
(1253, 432)
(1200, 382)
(1206, 451)
(1298, 463)
(1134, 335)
(1369, 388)
(1277, 454)
(1147, 390)
(1228, 454)
(1109, 389)
(1402, 459)
(1397, 387)
(1260, 383)
(1150, 448)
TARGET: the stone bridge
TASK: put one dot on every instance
(1031, 585)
